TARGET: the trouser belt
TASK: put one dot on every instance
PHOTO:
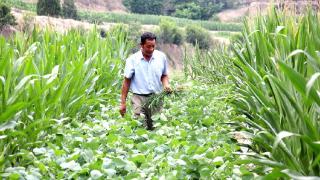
(145, 95)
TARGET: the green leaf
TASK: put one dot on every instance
(218, 161)
(311, 82)
(205, 172)
(299, 82)
(298, 176)
(8, 125)
(14, 176)
(95, 174)
(282, 135)
(138, 158)
(72, 165)
(12, 110)
(110, 172)
(119, 162)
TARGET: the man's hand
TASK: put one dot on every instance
(165, 83)
(124, 93)
(123, 109)
(167, 89)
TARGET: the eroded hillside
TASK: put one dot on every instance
(96, 5)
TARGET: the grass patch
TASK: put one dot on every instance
(96, 17)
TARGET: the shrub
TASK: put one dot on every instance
(69, 10)
(169, 32)
(135, 32)
(189, 10)
(6, 18)
(198, 36)
(48, 7)
(144, 6)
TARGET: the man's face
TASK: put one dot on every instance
(148, 47)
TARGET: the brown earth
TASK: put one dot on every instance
(251, 8)
(247, 7)
(26, 20)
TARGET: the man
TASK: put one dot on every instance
(146, 73)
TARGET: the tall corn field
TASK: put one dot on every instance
(275, 74)
(277, 80)
(47, 78)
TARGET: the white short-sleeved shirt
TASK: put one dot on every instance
(146, 75)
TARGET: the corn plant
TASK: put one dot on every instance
(155, 20)
(47, 76)
(278, 90)
(209, 66)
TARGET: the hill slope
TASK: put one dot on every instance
(96, 5)
(246, 7)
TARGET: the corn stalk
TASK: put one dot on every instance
(47, 76)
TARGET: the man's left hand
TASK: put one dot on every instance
(167, 89)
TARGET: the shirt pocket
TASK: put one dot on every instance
(157, 69)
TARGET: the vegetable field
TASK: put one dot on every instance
(247, 111)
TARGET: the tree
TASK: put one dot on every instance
(169, 32)
(69, 9)
(49, 7)
(208, 8)
(144, 6)
(189, 10)
(198, 36)
(192, 9)
(6, 18)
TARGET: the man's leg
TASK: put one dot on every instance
(147, 112)
(140, 108)
(137, 102)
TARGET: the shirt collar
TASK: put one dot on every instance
(142, 58)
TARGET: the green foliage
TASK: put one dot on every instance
(211, 66)
(192, 143)
(275, 71)
(170, 33)
(144, 6)
(208, 8)
(278, 81)
(95, 17)
(199, 9)
(47, 78)
(6, 18)
(189, 10)
(49, 7)
(20, 4)
(198, 36)
(69, 10)
(132, 32)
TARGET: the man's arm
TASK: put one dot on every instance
(124, 94)
(165, 83)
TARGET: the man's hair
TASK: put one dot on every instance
(147, 36)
